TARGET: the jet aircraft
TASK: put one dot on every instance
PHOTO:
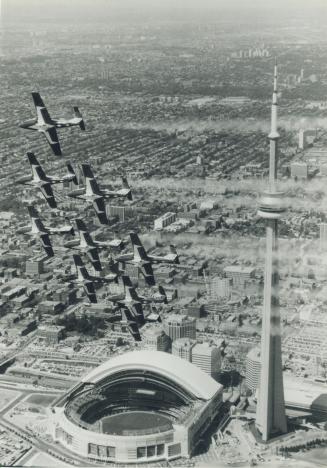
(40, 180)
(93, 189)
(93, 196)
(141, 258)
(43, 123)
(88, 281)
(38, 228)
(124, 192)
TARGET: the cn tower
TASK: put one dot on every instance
(270, 417)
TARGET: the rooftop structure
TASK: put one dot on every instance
(180, 326)
(164, 220)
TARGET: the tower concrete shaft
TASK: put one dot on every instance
(271, 418)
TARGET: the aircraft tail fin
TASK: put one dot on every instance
(78, 114)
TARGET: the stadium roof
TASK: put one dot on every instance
(305, 394)
(182, 372)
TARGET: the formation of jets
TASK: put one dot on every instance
(129, 303)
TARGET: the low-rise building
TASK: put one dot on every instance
(51, 334)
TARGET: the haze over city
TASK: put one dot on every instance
(173, 10)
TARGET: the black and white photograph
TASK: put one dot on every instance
(163, 233)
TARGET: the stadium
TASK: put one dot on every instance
(137, 407)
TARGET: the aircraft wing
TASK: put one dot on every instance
(53, 140)
(46, 244)
(90, 291)
(131, 324)
(47, 192)
(100, 210)
(136, 310)
(134, 330)
(95, 259)
(148, 274)
(42, 113)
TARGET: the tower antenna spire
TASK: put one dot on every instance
(274, 135)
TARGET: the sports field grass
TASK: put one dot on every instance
(133, 421)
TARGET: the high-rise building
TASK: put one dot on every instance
(207, 357)
(221, 287)
(123, 212)
(183, 348)
(180, 326)
(271, 417)
(301, 139)
(239, 274)
(252, 369)
(35, 266)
